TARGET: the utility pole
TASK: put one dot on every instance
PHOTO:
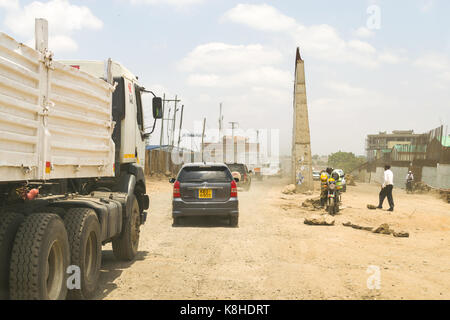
(203, 138)
(233, 125)
(174, 121)
(220, 124)
(181, 124)
(258, 148)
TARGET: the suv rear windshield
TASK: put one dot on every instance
(237, 167)
(205, 174)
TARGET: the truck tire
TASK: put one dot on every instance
(9, 224)
(83, 230)
(234, 221)
(125, 247)
(39, 259)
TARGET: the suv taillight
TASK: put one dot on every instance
(176, 189)
(233, 193)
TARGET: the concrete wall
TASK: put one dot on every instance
(438, 177)
(443, 176)
(399, 176)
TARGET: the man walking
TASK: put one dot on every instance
(386, 189)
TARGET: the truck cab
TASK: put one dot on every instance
(129, 131)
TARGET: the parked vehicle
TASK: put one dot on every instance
(257, 173)
(205, 189)
(245, 179)
(316, 175)
(70, 180)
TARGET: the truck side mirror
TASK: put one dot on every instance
(236, 179)
(157, 108)
(172, 180)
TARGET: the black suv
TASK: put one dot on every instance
(245, 180)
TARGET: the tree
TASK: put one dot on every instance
(346, 161)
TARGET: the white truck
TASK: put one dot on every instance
(72, 151)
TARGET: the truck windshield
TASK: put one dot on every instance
(202, 174)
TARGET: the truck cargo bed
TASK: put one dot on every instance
(55, 120)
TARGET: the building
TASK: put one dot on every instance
(381, 144)
(241, 151)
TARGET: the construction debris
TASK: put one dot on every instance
(401, 234)
(350, 180)
(290, 189)
(323, 220)
(421, 187)
(312, 202)
(383, 229)
(358, 227)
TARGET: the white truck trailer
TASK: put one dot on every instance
(72, 151)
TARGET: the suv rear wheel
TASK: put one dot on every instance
(234, 221)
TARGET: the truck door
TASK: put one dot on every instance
(129, 125)
(140, 130)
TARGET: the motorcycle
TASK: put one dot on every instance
(334, 196)
(410, 186)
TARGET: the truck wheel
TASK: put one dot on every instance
(83, 230)
(234, 221)
(9, 224)
(39, 259)
(125, 247)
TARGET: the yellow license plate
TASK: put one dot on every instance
(205, 194)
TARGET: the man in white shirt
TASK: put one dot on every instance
(386, 188)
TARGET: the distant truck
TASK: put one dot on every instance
(72, 154)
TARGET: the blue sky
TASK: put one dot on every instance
(360, 80)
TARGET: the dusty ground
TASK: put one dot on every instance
(274, 255)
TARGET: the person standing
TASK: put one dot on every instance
(386, 188)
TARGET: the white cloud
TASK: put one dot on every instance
(224, 65)
(261, 17)
(175, 3)
(63, 17)
(316, 41)
(346, 89)
(390, 58)
(222, 56)
(363, 32)
(434, 61)
(9, 4)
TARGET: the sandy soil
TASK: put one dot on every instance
(274, 255)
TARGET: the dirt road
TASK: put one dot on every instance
(274, 255)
